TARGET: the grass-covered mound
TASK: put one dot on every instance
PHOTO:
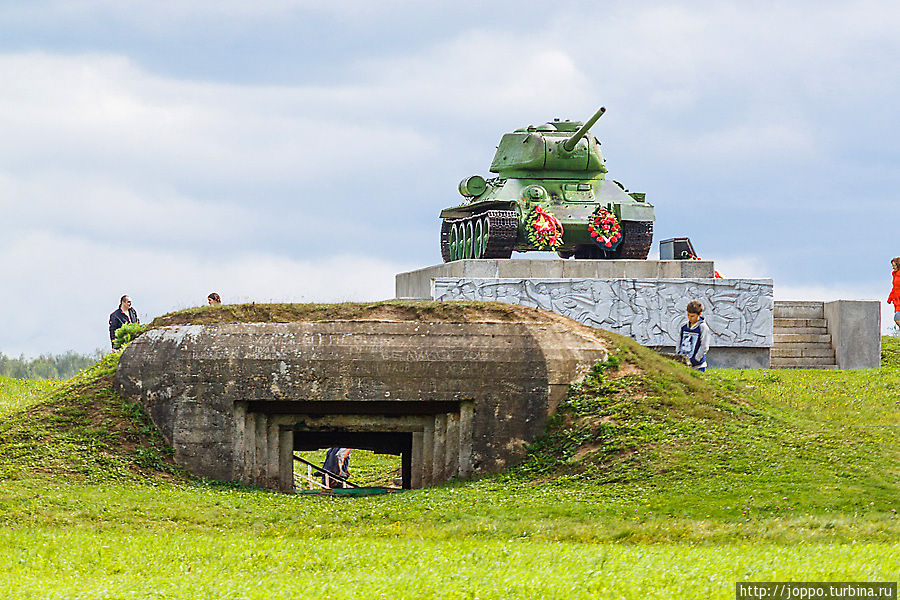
(725, 444)
(388, 310)
(82, 428)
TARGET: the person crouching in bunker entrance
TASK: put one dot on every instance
(337, 461)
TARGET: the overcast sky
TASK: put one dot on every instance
(297, 150)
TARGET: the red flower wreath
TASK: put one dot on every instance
(544, 229)
(604, 228)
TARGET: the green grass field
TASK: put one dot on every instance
(652, 482)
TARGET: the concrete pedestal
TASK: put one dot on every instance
(417, 284)
(642, 299)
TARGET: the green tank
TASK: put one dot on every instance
(550, 194)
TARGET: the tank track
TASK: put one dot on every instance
(637, 238)
(445, 239)
(503, 228)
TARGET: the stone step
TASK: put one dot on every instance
(799, 310)
(803, 363)
(801, 351)
(792, 322)
(799, 303)
(781, 338)
(815, 330)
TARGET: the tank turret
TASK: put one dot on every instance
(551, 150)
(550, 193)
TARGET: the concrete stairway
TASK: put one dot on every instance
(801, 339)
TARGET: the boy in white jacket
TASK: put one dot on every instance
(695, 337)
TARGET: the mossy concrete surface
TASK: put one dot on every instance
(458, 388)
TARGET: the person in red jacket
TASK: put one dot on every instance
(894, 298)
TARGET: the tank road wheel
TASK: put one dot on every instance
(478, 239)
(454, 242)
(637, 237)
(485, 235)
(489, 235)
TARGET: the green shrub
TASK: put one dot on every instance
(126, 333)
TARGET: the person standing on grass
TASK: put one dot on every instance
(122, 315)
(695, 337)
(894, 297)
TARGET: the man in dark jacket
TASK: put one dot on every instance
(122, 315)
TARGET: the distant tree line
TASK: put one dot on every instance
(47, 366)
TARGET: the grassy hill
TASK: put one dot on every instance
(653, 481)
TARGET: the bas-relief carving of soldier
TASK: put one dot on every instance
(601, 295)
(468, 290)
(672, 297)
(574, 301)
(459, 290)
(568, 300)
(495, 292)
(509, 293)
(756, 303)
(624, 308)
(577, 300)
(653, 311)
(538, 294)
(724, 319)
(517, 293)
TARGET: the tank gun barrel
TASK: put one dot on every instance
(569, 144)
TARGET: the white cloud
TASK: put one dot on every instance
(716, 85)
(484, 75)
(103, 208)
(749, 267)
(757, 141)
(103, 113)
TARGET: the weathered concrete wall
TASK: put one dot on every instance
(855, 328)
(231, 397)
(417, 284)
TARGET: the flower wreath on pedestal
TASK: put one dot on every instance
(604, 228)
(545, 231)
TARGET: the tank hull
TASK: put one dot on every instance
(572, 202)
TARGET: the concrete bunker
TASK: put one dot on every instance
(454, 399)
